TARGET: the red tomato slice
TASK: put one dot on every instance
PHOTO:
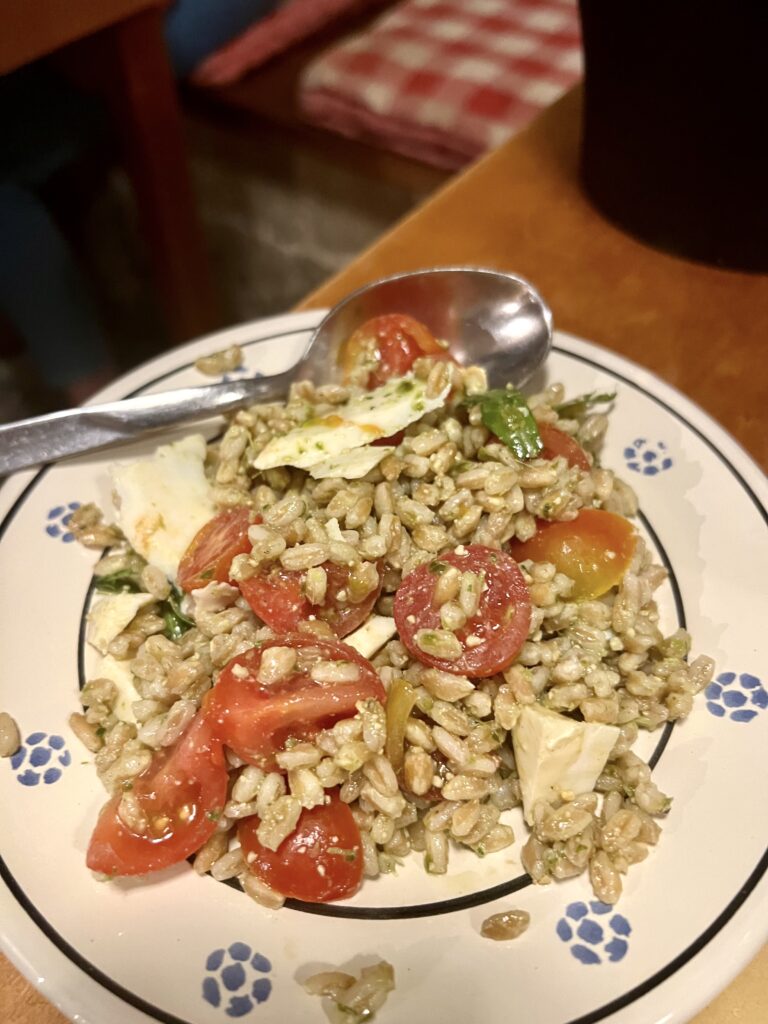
(320, 861)
(557, 442)
(255, 720)
(394, 440)
(209, 556)
(391, 344)
(182, 794)
(278, 599)
(595, 549)
(501, 622)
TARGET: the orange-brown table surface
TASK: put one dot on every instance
(699, 328)
(32, 30)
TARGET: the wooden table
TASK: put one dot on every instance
(121, 43)
(699, 328)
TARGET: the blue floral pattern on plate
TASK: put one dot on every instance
(739, 698)
(594, 941)
(235, 980)
(40, 758)
(58, 519)
(647, 457)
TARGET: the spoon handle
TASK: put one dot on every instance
(49, 438)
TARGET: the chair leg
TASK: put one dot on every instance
(143, 96)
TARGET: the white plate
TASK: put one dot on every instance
(691, 916)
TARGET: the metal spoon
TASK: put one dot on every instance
(489, 318)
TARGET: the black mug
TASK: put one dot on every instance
(675, 129)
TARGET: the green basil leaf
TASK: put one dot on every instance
(577, 407)
(505, 413)
(124, 581)
(176, 623)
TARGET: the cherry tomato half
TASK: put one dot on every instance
(255, 719)
(389, 344)
(209, 556)
(595, 549)
(492, 637)
(557, 442)
(321, 861)
(278, 599)
(181, 794)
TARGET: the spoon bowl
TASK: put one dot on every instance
(488, 318)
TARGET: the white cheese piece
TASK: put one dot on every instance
(163, 501)
(555, 754)
(214, 598)
(120, 674)
(110, 615)
(351, 465)
(372, 636)
(365, 418)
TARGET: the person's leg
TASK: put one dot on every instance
(44, 296)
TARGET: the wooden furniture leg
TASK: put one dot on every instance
(142, 93)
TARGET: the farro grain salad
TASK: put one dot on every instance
(367, 623)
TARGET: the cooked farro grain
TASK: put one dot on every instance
(505, 925)
(218, 363)
(10, 738)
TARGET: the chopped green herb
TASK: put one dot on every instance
(213, 815)
(437, 567)
(176, 623)
(124, 581)
(577, 407)
(404, 387)
(506, 414)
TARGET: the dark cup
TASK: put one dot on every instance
(675, 130)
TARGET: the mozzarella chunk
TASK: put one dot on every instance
(351, 465)
(556, 755)
(120, 674)
(110, 615)
(372, 636)
(163, 501)
(214, 598)
(364, 418)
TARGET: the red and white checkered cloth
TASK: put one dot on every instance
(291, 23)
(445, 80)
